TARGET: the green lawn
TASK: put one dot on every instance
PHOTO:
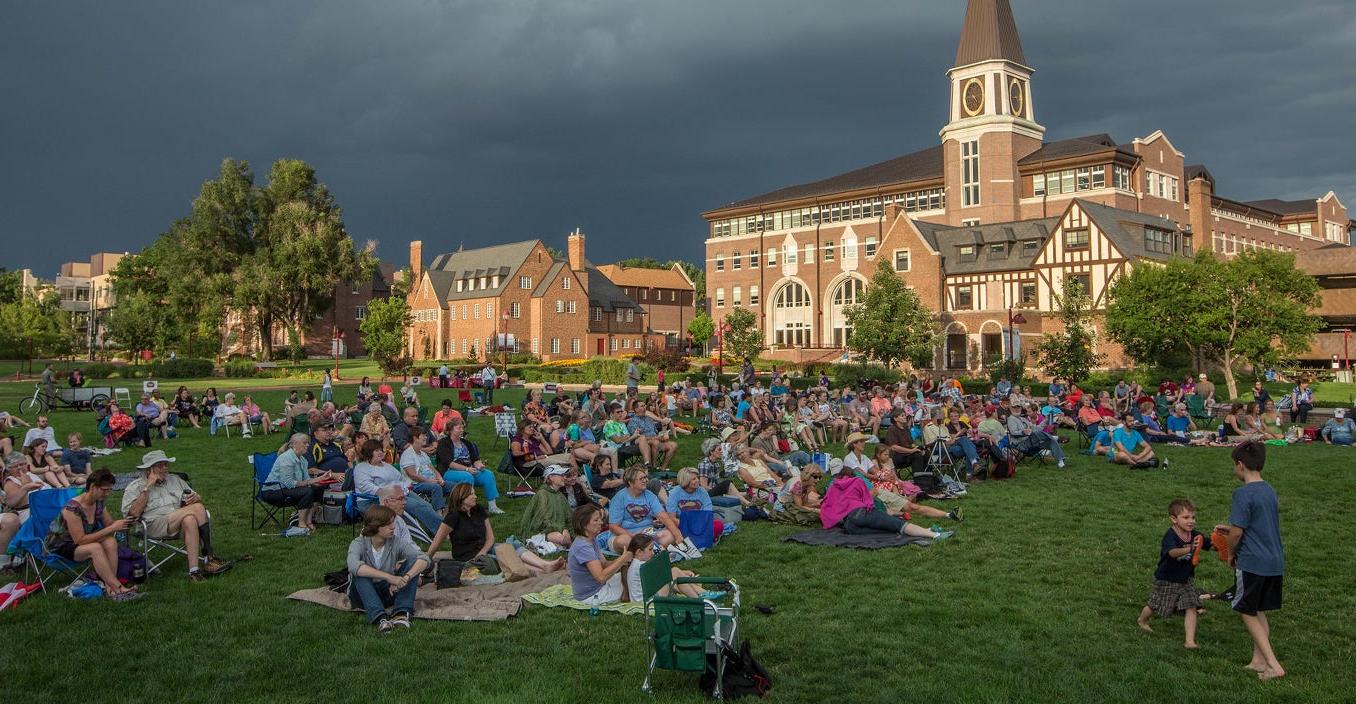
(1033, 601)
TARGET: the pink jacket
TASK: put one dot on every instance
(845, 494)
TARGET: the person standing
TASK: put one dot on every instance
(49, 381)
(632, 377)
(487, 379)
(1256, 554)
(442, 376)
(326, 388)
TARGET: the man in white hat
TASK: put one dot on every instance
(170, 508)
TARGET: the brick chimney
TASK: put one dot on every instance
(575, 250)
(1199, 192)
(416, 261)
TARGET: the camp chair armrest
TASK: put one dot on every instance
(705, 580)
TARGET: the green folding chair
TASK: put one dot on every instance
(1196, 409)
(683, 632)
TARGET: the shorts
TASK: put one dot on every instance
(1255, 592)
(1167, 599)
(158, 527)
(611, 591)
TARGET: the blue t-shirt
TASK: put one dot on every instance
(1129, 439)
(77, 459)
(1178, 424)
(778, 390)
(681, 499)
(1051, 411)
(582, 583)
(742, 410)
(1257, 511)
(1103, 437)
(634, 513)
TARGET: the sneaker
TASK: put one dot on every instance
(1060, 464)
(385, 625)
(295, 532)
(196, 576)
(955, 515)
(494, 510)
(944, 534)
(1166, 463)
(215, 566)
(401, 620)
(128, 595)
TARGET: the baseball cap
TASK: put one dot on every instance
(555, 470)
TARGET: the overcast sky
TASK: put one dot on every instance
(485, 122)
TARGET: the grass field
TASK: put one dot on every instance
(1033, 601)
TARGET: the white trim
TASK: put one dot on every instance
(1157, 135)
(1333, 196)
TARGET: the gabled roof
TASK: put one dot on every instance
(1125, 228)
(923, 164)
(645, 278)
(441, 282)
(499, 260)
(989, 33)
(549, 277)
(1286, 207)
(605, 294)
(1012, 235)
(1076, 146)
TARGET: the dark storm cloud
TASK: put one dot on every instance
(494, 121)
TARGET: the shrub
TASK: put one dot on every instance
(101, 370)
(182, 368)
(523, 358)
(241, 368)
(669, 359)
(852, 375)
(1013, 369)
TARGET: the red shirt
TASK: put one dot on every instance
(1168, 388)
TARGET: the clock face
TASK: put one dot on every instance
(1017, 98)
(973, 97)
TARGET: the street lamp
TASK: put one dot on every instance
(503, 353)
(720, 347)
(1017, 319)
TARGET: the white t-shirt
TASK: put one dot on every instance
(423, 466)
(633, 586)
(861, 463)
(47, 434)
(226, 411)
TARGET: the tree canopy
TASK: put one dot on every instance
(35, 327)
(1070, 353)
(742, 338)
(384, 329)
(890, 324)
(701, 328)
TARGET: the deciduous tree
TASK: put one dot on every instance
(890, 324)
(1070, 353)
(701, 328)
(384, 331)
(742, 336)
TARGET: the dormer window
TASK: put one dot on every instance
(998, 250)
(967, 252)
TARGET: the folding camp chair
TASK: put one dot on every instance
(1196, 409)
(681, 632)
(523, 488)
(31, 541)
(159, 551)
(260, 466)
(300, 424)
(941, 463)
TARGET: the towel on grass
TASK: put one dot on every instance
(867, 541)
(563, 595)
(471, 603)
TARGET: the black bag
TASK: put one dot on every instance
(447, 573)
(338, 581)
(744, 676)
(1004, 466)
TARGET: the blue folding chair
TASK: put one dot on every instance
(355, 516)
(31, 541)
(262, 464)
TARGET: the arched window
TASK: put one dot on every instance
(792, 295)
(848, 292)
(791, 316)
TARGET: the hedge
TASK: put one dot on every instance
(182, 368)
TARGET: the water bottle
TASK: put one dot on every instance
(184, 500)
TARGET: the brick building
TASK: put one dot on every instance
(318, 339)
(994, 218)
(1335, 268)
(668, 296)
(554, 307)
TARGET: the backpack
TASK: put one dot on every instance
(743, 676)
(1004, 466)
(131, 566)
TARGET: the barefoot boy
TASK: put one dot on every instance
(1174, 589)
(1256, 555)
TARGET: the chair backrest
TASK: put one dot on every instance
(43, 507)
(1195, 405)
(301, 424)
(655, 575)
(263, 464)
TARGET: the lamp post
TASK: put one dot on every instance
(720, 347)
(1017, 319)
(503, 353)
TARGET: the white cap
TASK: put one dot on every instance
(1339, 413)
(554, 470)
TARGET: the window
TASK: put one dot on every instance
(555, 345)
(736, 261)
(620, 315)
(571, 307)
(630, 315)
(753, 295)
(465, 311)
(792, 295)
(720, 262)
(720, 298)
(598, 314)
(1099, 177)
(1038, 185)
(1028, 294)
(464, 348)
(626, 344)
(870, 247)
(565, 283)
(489, 310)
(967, 252)
(613, 346)
(1076, 238)
(1029, 247)
(736, 296)
(828, 251)
(525, 282)
(536, 348)
(1121, 177)
(970, 222)
(791, 254)
(998, 250)
(772, 257)
(753, 264)
(574, 346)
(1084, 178)
(1083, 282)
(560, 306)
(673, 296)
(970, 173)
(460, 284)
(515, 311)
(475, 310)
(901, 260)
(808, 255)
(483, 282)
(359, 312)
(965, 297)
(1156, 240)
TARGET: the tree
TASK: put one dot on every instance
(890, 324)
(11, 286)
(701, 328)
(138, 322)
(384, 331)
(1253, 308)
(1070, 353)
(34, 327)
(742, 336)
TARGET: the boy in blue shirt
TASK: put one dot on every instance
(76, 456)
(1256, 554)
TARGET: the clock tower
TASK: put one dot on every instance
(992, 121)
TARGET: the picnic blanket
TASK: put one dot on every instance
(473, 603)
(561, 595)
(866, 541)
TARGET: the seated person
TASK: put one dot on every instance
(653, 444)
(459, 460)
(152, 416)
(404, 430)
(76, 457)
(756, 475)
(385, 571)
(956, 444)
(85, 531)
(227, 413)
(210, 402)
(848, 503)
(446, 413)
(580, 440)
(374, 422)
(44, 466)
(41, 430)
(642, 550)
(185, 407)
(636, 509)
(548, 512)
(618, 440)
(1129, 447)
(169, 508)
(324, 455)
(594, 579)
(76, 378)
(765, 446)
(290, 483)
(1101, 444)
(472, 537)
(531, 454)
(418, 467)
(14, 489)
(1179, 424)
(1341, 430)
(1089, 416)
(1055, 417)
(255, 414)
(1027, 438)
(904, 453)
(373, 472)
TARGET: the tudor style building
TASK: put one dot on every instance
(992, 218)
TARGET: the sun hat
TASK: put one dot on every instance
(555, 470)
(152, 458)
(1202, 375)
(835, 465)
(856, 437)
(726, 433)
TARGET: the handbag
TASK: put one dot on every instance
(131, 566)
(447, 573)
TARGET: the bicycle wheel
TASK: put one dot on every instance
(98, 403)
(32, 406)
